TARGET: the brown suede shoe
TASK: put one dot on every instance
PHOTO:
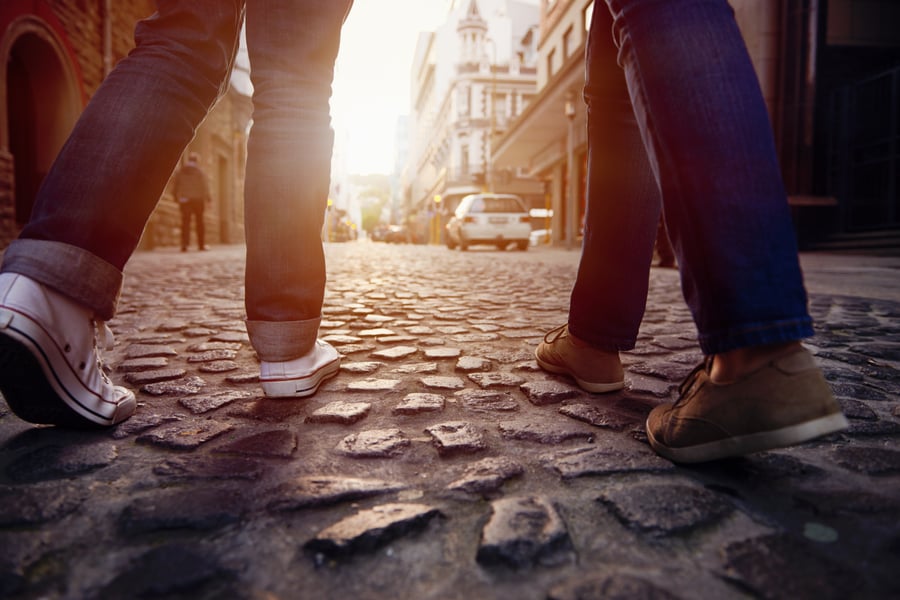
(786, 402)
(593, 370)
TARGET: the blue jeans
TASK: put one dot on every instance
(680, 123)
(96, 199)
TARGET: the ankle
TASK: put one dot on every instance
(730, 366)
(580, 343)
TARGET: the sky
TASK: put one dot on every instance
(372, 76)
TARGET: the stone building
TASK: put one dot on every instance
(470, 79)
(53, 56)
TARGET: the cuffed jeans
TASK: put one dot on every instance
(96, 199)
(684, 127)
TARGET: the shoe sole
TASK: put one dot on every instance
(754, 442)
(597, 388)
(38, 393)
(300, 387)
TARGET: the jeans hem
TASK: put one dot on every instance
(280, 341)
(72, 271)
(612, 344)
(760, 335)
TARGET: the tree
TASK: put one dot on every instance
(372, 203)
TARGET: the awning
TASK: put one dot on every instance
(541, 129)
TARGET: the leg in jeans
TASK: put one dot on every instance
(623, 206)
(292, 46)
(109, 175)
(64, 272)
(709, 140)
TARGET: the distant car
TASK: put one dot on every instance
(495, 219)
(379, 232)
(396, 234)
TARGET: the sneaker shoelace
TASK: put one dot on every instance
(688, 383)
(103, 338)
(556, 333)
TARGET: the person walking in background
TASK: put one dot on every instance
(685, 126)
(60, 279)
(192, 194)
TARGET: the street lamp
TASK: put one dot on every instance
(570, 160)
(436, 220)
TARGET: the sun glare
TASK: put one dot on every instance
(372, 77)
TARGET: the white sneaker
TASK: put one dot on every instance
(302, 376)
(50, 368)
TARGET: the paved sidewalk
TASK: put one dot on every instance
(441, 462)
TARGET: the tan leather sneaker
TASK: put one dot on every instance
(593, 370)
(784, 403)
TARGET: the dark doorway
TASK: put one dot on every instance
(864, 151)
(858, 112)
(42, 108)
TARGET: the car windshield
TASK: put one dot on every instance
(501, 204)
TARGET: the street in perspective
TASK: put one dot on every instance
(441, 462)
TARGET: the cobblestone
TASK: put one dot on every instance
(442, 462)
(417, 403)
(665, 509)
(456, 438)
(487, 401)
(371, 528)
(541, 393)
(374, 443)
(523, 532)
(340, 412)
(486, 475)
(306, 492)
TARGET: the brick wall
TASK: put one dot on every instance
(75, 28)
(8, 227)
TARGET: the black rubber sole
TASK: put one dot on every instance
(28, 393)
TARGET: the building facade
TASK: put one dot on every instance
(470, 79)
(53, 56)
(549, 140)
(830, 74)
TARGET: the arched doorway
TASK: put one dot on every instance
(43, 102)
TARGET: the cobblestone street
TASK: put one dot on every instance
(441, 462)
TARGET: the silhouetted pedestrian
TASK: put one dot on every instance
(192, 194)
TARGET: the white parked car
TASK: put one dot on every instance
(495, 219)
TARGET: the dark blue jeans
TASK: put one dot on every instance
(676, 119)
(97, 197)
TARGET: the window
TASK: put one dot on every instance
(501, 204)
(496, 204)
(550, 60)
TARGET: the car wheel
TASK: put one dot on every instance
(522, 244)
(502, 245)
(450, 243)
